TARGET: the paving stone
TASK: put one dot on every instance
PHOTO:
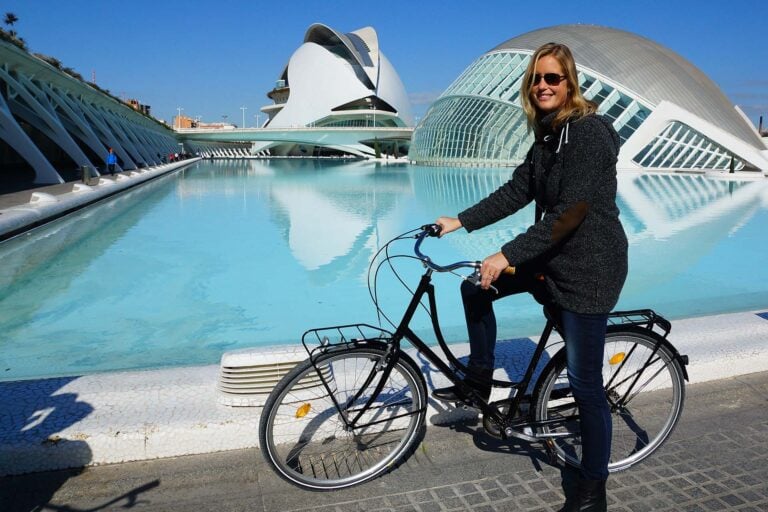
(454, 504)
(444, 492)
(639, 506)
(420, 496)
(715, 488)
(542, 486)
(732, 500)
(699, 478)
(398, 500)
(749, 496)
(529, 502)
(475, 499)
(713, 504)
(496, 494)
(551, 497)
(464, 489)
(430, 507)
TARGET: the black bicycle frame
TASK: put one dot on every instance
(645, 320)
(404, 331)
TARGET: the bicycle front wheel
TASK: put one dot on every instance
(644, 386)
(325, 427)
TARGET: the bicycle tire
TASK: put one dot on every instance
(643, 423)
(304, 438)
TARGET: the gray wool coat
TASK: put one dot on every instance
(578, 243)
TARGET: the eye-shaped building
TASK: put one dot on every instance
(668, 114)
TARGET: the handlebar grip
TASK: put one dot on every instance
(432, 229)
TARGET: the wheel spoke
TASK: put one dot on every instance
(638, 372)
(307, 441)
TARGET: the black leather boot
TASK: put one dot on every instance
(570, 489)
(592, 496)
(480, 379)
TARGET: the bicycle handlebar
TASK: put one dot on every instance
(433, 230)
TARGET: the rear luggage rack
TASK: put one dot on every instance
(642, 318)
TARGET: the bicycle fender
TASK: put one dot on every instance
(681, 359)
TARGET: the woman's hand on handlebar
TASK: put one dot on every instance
(448, 224)
(491, 268)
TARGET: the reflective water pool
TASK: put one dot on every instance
(236, 254)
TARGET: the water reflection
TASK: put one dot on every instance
(41, 264)
(670, 220)
(329, 213)
(224, 255)
(684, 218)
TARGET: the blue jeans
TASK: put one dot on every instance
(584, 336)
(584, 346)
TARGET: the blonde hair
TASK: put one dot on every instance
(576, 105)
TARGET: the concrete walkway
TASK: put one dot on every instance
(23, 210)
(715, 460)
(118, 417)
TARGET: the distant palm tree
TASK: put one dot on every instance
(10, 19)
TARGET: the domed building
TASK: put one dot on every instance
(337, 80)
(668, 114)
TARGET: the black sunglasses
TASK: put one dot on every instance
(549, 78)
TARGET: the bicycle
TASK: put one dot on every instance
(356, 407)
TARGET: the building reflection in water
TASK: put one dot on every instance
(231, 254)
(332, 214)
(671, 220)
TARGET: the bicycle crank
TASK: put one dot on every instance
(492, 427)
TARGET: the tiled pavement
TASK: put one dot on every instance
(690, 476)
(717, 459)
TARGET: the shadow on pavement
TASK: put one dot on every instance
(32, 416)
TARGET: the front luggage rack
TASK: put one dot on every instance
(321, 340)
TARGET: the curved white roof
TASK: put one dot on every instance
(362, 45)
(645, 67)
(331, 69)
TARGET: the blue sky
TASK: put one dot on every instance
(211, 58)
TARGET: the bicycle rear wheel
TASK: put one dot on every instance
(305, 430)
(645, 391)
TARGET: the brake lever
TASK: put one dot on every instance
(475, 278)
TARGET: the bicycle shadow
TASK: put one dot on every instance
(36, 501)
(32, 415)
(512, 359)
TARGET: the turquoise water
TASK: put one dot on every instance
(228, 255)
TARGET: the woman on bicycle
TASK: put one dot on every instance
(574, 256)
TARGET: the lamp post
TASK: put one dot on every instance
(243, 109)
(258, 118)
(178, 118)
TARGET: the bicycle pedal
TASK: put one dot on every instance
(464, 405)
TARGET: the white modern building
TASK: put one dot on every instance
(336, 80)
(668, 114)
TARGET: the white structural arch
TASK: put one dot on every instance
(52, 124)
(335, 80)
(668, 114)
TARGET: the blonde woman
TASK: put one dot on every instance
(574, 256)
